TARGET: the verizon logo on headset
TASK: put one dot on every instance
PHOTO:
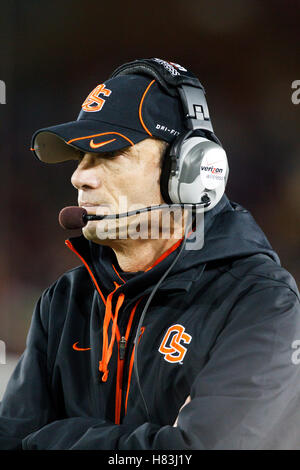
(212, 169)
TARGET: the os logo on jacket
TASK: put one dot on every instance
(172, 344)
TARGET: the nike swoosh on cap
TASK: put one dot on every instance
(95, 146)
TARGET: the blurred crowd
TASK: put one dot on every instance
(53, 54)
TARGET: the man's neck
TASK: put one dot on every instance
(139, 255)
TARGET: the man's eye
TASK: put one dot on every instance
(112, 154)
(80, 156)
(104, 155)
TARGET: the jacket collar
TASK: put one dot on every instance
(104, 266)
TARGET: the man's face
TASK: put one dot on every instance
(109, 184)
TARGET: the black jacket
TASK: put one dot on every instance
(222, 328)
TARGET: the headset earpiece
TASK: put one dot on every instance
(193, 167)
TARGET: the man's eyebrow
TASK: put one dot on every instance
(114, 153)
(81, 154)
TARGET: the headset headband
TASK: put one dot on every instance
(175, 79)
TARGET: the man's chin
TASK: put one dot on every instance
(87, 233)
(90, 232)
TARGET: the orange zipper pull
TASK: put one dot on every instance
(122, 349)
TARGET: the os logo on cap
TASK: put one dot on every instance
(93, 102)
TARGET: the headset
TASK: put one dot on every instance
(195, 167)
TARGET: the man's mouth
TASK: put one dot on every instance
(95, 208)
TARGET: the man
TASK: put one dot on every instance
(210, 362)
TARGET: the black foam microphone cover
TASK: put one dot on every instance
(72, 217)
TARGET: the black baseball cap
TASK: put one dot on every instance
(118, 113)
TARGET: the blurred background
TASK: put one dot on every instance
(246, 54)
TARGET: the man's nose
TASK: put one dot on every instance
(86, 175)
